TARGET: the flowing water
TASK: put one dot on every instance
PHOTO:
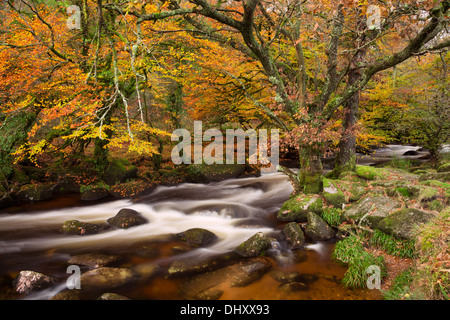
(233, 209)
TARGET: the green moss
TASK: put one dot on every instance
(444, 168)
(403, 191)
(312, 184)
(332, 194)
(369, 173)
(296, 208)
(427, 194)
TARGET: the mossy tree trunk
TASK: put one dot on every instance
(311, 171)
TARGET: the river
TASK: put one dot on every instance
(234, 209)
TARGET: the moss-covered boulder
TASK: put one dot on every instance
(294, 235)
(317, 229)
(131, 189)
(94, 194)
(332, 194)
(427, 194)
(197, 237)
(127, 218)
(444, 168)
(254, 246)
(76, 227)
(369, 173)
(440, 176)
(35, 192)
(214, 172)
(402, 223)
(349, 176)
(119, 171)
(296, 208)
(373, 208)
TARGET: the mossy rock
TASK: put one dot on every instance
(294, 235)
(131, 189)
(76, 227)
(440, 176)
(197, 237)
(254, 246)
(127, 218)
(119, 171)
(20, 176)
(205, 173)
(35, 192)
(332, 194)
(402, 223)
(94, 194)
(369, 173)
(317, 229)
(444, 168)
(349, 176)
(428, 194)
(374, 208)
(296, 208)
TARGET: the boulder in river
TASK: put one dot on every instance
(76, 227)
(197, 237)
(127, 218)
(296, 208)
(402, 223)
(317, 229)
(254, 246)
(28, 281)
(294, 235)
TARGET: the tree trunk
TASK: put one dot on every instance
(311, 171)
(346, 158)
